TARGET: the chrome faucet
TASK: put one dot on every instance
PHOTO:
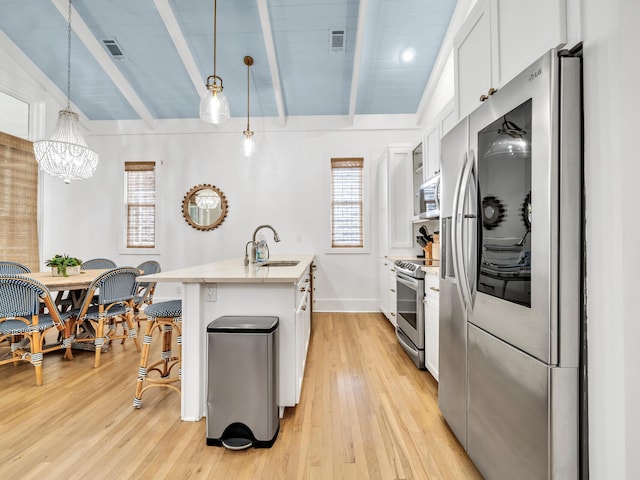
(253, 244)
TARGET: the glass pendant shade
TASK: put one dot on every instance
(214, 106)
(66, 154)
(248, 146)
(511, 141)
(207, 200)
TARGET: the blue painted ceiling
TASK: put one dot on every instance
(168, 54)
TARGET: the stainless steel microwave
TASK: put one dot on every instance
(429, 195)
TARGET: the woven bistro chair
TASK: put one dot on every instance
(9, 268)
(22, 322)
(93, 264)
(144, 290)
(97, 264)
(99, 323)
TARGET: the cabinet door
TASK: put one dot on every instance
(432, 341)
(432, 323)
(303, 329)
(392, 295)
(433, 152)
(526, 30)
(472, 59)
(383, 286)
(400, 212)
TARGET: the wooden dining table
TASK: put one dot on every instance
(74, 284)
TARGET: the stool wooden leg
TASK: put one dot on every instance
(168, 360)
(144, 358)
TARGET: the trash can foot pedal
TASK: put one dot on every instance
(237, 443)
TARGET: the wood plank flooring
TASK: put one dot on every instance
(365, 413)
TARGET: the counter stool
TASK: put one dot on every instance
(162, 317)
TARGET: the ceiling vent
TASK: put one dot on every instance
(337, 41)
(114, 48)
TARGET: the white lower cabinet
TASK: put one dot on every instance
(387, 289)
(303, 329)
(432, 322)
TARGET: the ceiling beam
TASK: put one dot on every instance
(267, 34)
(102, 57)
(172, 26)
(357, 59)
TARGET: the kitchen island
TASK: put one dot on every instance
(227, 287)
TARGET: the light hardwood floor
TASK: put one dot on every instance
(366, 412)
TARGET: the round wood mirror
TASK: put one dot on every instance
(204, 207)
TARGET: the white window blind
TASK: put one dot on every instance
(140, 178)
(347, 203)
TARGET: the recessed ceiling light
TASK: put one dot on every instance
(407, 55)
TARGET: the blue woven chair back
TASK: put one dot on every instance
(149, 267)
(19, 296)
(115, 285)
(97, 264)
(13, 267)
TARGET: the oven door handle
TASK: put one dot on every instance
(408, 281)
(406, 342)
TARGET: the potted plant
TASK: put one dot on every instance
(64, 265)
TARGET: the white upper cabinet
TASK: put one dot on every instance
(499, 39)
(472, 59)
(400, 196)
(432, 163)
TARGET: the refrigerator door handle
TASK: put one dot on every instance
(476, 217)
(456, 240)
(461, 221)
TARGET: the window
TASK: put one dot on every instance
(140, 200)
(347, 204)
(18, 202)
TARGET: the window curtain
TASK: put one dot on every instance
(18, 202)
(141, 204)
(347, 203)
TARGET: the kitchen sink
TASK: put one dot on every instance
(279, 263)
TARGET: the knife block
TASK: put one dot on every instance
(428, 253)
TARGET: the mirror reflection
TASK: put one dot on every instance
(204, 207)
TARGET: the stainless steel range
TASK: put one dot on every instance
(409, 305)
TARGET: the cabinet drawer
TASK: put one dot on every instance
(432, 286)
(303, 287)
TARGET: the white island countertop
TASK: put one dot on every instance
(232, 270)
(227, 287)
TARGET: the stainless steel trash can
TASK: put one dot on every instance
(242, 382)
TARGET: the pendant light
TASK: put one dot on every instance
(249, 141)
(66, 155)
(214, 106)
(511, 141)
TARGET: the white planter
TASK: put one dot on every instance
(70, 271)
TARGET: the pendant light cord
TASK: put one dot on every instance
(69, 58)
(248, 102)
(215, 17)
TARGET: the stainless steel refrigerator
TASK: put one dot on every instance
(510, 288)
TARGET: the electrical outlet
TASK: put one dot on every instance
(178, 289)
(210, 293)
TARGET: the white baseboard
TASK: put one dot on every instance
(346, 305)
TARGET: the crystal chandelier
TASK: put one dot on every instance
(207, 200)
(249, 141)
(214, 106)
(66, 154)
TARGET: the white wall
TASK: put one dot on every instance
(611, 41)
(286, 187)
